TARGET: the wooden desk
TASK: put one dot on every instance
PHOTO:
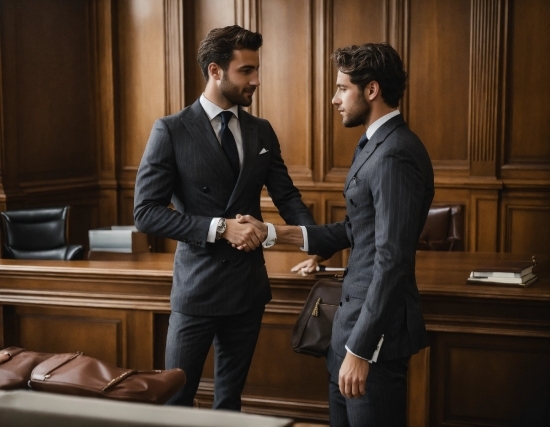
(489, 352)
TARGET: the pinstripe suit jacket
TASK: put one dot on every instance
(388, 191)
(184, 164)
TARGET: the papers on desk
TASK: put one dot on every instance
(505, 273)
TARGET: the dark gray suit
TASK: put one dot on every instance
(388, 192)
(184, 164)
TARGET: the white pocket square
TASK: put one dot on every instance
(263, 151)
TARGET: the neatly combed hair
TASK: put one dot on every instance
(374, 62)
(219, 44)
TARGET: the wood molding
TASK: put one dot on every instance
(486, 63)
(175, 57)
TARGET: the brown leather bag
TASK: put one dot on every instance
(16, 365)
(313, 329)
(76, 374)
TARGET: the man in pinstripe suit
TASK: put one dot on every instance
(211, 160)
(388, 192)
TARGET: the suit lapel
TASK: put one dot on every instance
(249, 133)
(378, 138)
(206, 142)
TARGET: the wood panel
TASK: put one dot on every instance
(487, 365)
(286, 80)
(527, 128)
(438, 69)
(141, 74)
(525, 222)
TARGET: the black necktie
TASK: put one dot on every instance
(362, 142)
(228, 143)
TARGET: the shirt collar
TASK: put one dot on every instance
(374, 127)
(212, 110)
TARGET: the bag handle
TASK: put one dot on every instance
(118, 379)
(65, 358)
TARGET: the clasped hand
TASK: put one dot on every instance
(245, 232)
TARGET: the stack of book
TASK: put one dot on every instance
(505, 273)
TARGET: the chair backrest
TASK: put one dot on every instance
(444, 229)
(38, 234)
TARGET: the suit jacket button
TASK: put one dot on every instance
(347, 298)
(340, 303)
(205, 190)
(349, 224)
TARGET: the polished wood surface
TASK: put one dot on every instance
(489, 345)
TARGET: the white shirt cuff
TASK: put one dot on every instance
(211, 237)
(305, 248)
(271, 238)
(374, 358)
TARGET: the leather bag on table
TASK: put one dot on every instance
(16, 365)
(313, 329)
(76, 374)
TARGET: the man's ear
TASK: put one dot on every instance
(215, 71)
(372, 90)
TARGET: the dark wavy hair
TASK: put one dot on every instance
(219, 44)
(374, 62)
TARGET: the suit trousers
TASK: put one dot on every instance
(188, 343)
(385, 401)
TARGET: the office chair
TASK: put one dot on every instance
(444, 229)
(38, 234)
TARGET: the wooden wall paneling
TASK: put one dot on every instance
(141, 95)
(55, 127)
(508, 372)
(485, 85)
(526, 152)
(57, 330)
(286, 80)
(524, 225)
(483, 219)
(101, 30)
(175, 55)
(201, 16)
(353, 22)
(46, 94)
(8, 95)
(438, 66)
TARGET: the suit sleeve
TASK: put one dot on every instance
(397, 187)
(155, 182)
(281, 189)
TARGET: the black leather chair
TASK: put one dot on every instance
(38, 234)
(444, 229)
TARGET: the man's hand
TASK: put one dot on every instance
(245, 235)
(352, 377)
(308, 266)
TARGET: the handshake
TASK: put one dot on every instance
(245, 232)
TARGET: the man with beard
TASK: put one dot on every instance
(211, 161)
(388, 192)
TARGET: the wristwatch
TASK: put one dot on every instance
(220, 229)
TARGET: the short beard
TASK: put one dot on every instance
(358, 114)
(233, 93)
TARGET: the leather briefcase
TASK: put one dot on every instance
(76, 374)
(313, 329)
(16, 365)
